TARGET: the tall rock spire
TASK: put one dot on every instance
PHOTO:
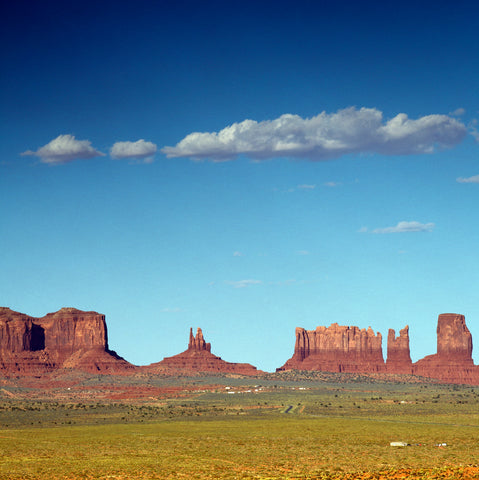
(197, 343)
(399, 356)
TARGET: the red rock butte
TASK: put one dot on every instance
(337, 349)
(198, 358)
(349, 349)
(453, 361)
(69, 338)
(74, 339)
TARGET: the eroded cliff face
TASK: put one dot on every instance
(69, 338)
(70, 329)
(398, 355)
(349, 349)
(453, 361)
(17, 333)
(75, 339)
(337, 349)
(198, 358)
(197, 343)
(454, 340)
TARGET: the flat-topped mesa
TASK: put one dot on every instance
(337, 348)
(197, 358)
(398, 356)
(69, 338)
(70, 329)
(197, 343)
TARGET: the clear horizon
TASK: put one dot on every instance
(243, 168)
(194, 331)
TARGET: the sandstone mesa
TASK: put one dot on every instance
(349, 349)
(74, 339)
(69, 338)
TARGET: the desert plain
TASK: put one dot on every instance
(283, 425)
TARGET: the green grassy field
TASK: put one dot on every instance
(274, 431)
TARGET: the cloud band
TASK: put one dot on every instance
(406, 227)
(323, 137)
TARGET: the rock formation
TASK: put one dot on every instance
(349, 349)
(454, 340)
(68, 338)
(198, 358)
(74, 339)
(398, 356)
(453, 361)
(337, 349)
(197, 343)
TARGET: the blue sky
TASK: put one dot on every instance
(243, 167)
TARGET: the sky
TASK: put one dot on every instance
(243, 167)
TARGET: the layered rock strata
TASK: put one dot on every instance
(337, 349)
(75, 339)
(398, 354)
(198, 358)
(453, 361)
(349, 349)
(69, 338)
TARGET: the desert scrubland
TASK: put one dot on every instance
(289, 425)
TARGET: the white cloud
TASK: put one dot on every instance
(302, 252)
(323, 137)
(307, 187)
(405, 227)
(458, 112)
(473, 179)
(332, 184)
(244, 283)
(237, 254)
(139, 150)
(473, 129)
(64, 149)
